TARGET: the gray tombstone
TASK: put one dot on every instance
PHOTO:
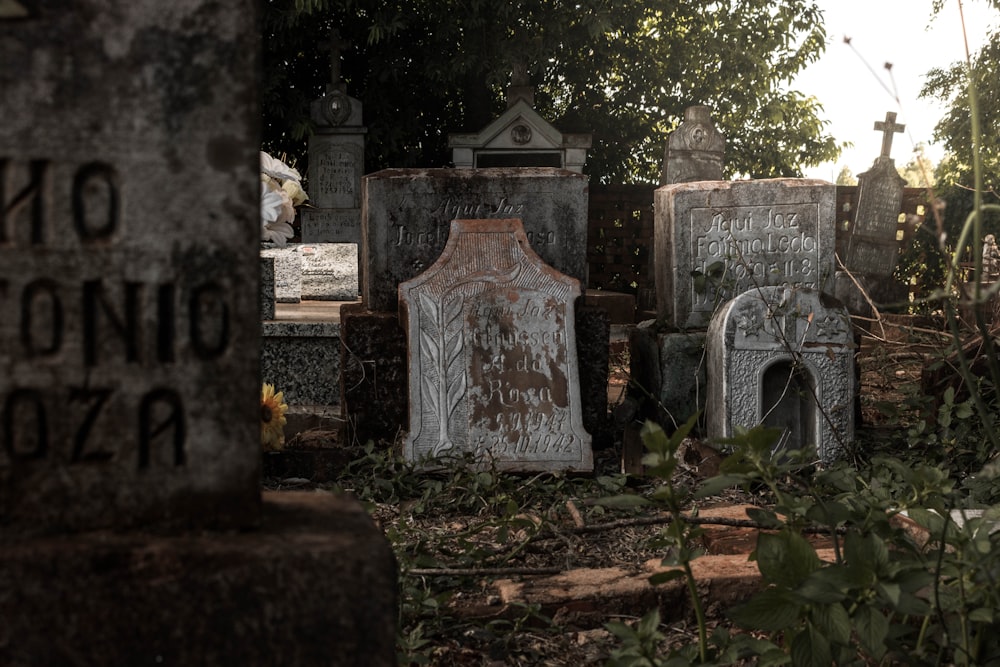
(287, 272)
(783, 358)
(407, 214)
(716, 239)
(129, 239)
(872, 247)
(336, 162)
(695, 150)
(492, 354)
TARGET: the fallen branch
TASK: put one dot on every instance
(479, 571)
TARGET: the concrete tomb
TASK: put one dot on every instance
(783, 358)
(133, 530)
(407, 213)
(492, 354)
(716, 239)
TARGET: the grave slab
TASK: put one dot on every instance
(783, 358)
(716, 239)
(492, 354)
(329, 271)
(129, 240)
(287, 272)
(406, 215)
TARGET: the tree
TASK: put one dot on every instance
(846, 176)
(623, 70)
(919, 171)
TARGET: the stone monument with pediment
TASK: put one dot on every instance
(336, 161)
(492, 354)
(695, 150)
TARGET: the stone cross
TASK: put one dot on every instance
(336, 46)
(888, 128)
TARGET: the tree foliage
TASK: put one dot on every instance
(622, 70)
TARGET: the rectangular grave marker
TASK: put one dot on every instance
(716, 239)
(129, 238)
(492, 354)
(406, 215)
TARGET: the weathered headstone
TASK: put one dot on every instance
(129, 190)
(716, 239)
(783, 358)
(492, 354)
(695, 150)
(873, 248)
(407, 213)
(336, 161)
(129, 360)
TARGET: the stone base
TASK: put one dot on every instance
(314, 585)
(302, 359)
(668, 372)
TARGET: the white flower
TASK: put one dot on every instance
(274, 217)
(295, 191)
(278, 169)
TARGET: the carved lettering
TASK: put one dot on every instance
(97, 398)
(125, 325)
(95, 199)
(30, 196)
(41, 318)
(161, 411)
(209, 320)
(23, 440)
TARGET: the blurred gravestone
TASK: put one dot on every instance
(129, 360)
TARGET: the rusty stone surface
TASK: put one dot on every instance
(314, 585)
(492, 354)
(129, 271)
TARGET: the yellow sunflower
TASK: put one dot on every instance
(272, 418)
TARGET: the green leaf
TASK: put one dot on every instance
(981, 615)
(811, 649)
(713, 486)
(833, 621)
(785, 558)
(825, 585)
(771, 610)
(872, 628)
(765, 518)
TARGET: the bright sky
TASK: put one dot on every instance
(896, 31)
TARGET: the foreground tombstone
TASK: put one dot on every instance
(783, 358)
(492, 354)
(132, 527)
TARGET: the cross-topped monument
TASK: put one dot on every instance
(336, 46)
(888, 128)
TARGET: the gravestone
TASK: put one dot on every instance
(716, 239)
(872, 247)
(695, 150)
(132, 526)
(287, 272)
(784, 358)
(329, 271)
(407, 214)
(492, 354)
(336, 161)
(129, 313)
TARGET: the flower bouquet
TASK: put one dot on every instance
(280, 192)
